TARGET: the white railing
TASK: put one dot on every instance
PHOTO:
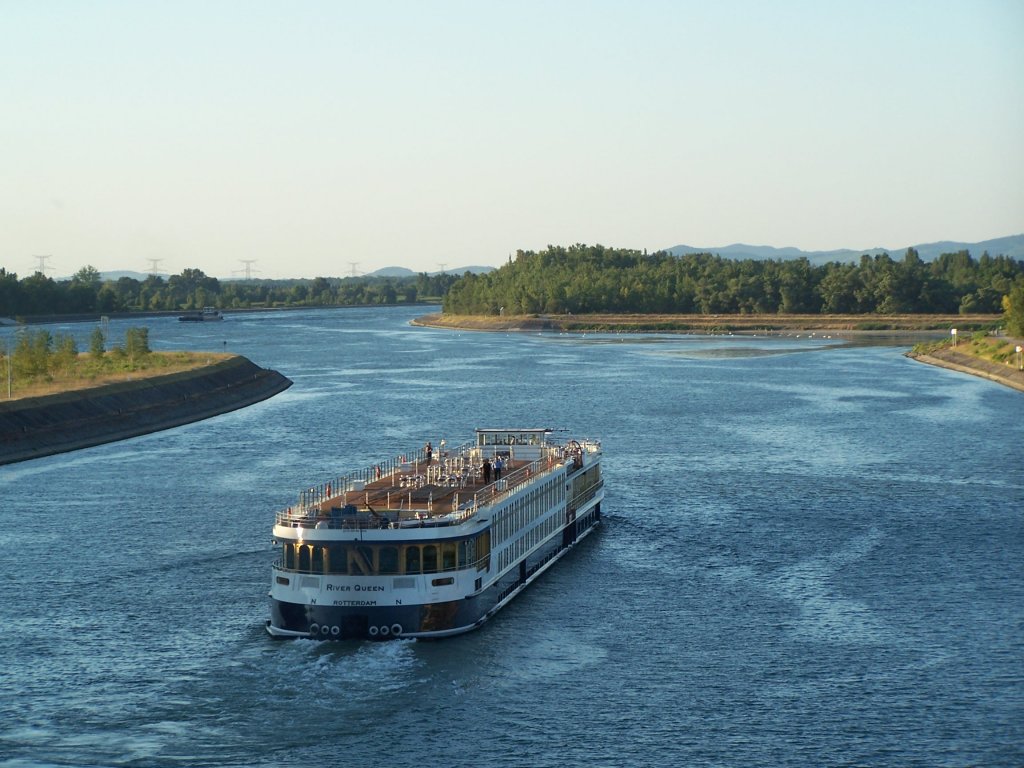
(309, 512)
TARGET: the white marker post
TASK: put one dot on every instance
(952, 332)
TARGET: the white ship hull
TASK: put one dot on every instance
(439, 571)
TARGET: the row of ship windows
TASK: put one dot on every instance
(528, 541)
(583, 483)
(524, 511)
(355, 559)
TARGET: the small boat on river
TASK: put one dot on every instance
(431, 543)
(207, 313)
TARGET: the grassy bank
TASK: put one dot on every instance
(991, 357)
(84, 371)
(995, 349)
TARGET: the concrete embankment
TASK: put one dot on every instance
(42, 426)
(946, 357)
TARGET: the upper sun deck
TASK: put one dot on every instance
(430, 488)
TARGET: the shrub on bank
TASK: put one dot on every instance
(40, 360)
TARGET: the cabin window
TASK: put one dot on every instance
(443, 582)
(429, 558)
(412, 559)
(378, 559)
(483, 550)
(448, 556)
(388, 560)
(337, 559)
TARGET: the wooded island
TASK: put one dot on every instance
(585, 279)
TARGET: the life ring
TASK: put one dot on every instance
(374, 631)
(396, 630)
(335, 630)
(385, 630)
(314, 629)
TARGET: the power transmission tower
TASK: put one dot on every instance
(248, 270)
(353, 265)
(42, 263)
(153, 266)
(442, 266)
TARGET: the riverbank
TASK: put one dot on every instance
(33, 427)
(839, 325)
(976, 358)
(95, 317)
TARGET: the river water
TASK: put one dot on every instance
(812, 555)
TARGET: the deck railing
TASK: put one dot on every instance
(309, 514)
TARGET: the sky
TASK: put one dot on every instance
(317, 138)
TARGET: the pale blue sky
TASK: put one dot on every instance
(310, 135)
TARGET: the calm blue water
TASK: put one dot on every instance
(812, 557)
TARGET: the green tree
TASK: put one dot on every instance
(39, 295)
(107, 300)
(66, 352)
(97, 343)
(32, 353)
(192, 289)
(10, 294)
(1013, 307)
(88, 276)
(136, 343)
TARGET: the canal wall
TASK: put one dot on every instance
(42, 426)
(1006, 374)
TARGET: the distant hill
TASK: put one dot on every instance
(1012, 246)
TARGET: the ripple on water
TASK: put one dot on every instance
(806, 560)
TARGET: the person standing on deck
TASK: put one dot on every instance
(487, 471)
(430, 451)
(499, 464)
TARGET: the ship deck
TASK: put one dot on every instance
(445, 491)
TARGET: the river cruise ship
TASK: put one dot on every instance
(435, 542)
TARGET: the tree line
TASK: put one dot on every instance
(87, 293)
(576, 279)
(585, 279)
